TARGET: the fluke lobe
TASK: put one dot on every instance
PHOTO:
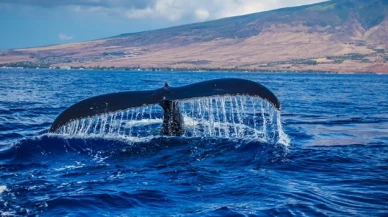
(167, 97)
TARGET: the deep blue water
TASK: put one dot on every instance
(335, 165)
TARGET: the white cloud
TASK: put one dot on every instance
(64, 37)
(139, 14)
(170, 11)
(201, 14)
(202, 10)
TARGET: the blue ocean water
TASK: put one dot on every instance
(335, 165)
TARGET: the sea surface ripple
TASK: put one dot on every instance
(335, 165)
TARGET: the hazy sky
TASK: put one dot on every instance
(29, 23)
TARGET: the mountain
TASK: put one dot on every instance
(337, 35)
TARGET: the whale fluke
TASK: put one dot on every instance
(167, 97)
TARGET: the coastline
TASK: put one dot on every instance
(221, 70)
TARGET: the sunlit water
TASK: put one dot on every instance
(326, 154)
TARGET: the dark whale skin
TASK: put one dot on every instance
(167, 97)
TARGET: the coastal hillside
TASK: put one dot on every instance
(337, 35)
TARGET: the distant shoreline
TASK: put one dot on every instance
(196, 70)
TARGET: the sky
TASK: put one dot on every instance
(32, 23)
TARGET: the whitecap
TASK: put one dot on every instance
(2, 189)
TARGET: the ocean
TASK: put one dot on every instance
(324, 154)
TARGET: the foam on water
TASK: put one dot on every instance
(232, 117)
(339, 147)
(2, 189)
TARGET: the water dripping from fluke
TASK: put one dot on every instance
(221, 108)
(231, 117)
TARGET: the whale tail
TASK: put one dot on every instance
(173, 123)
(167, 97)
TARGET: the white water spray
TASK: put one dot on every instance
(240, 117)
